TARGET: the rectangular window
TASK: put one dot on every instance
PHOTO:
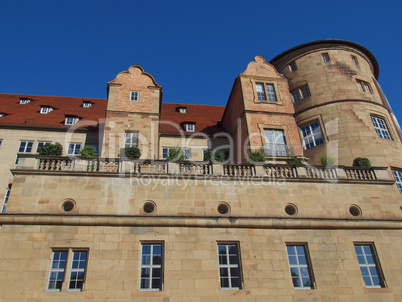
(398, 178)
(276, 143)
(300, 93)
(271, 92)
(57, 270)
(185, 151)
(190, 127)
(229, 266)
(369, 265)
(86, 104)
(260, 92)
(40, 145)
(182, 109)
(131, 140)
(381, 127)
(74, 149)
(325, 57)
(25, 147)
(312, 135)
(151, 267)
(134, 96)
(300, 270)
(45, 109)
(5, 201)
(77, 271)
(264, 90)
(293, 66)
(364, 86)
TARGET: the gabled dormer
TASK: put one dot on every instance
(45, 109)
(24, 101)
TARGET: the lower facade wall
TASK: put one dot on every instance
(190, 263)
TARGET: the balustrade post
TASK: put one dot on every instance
(217, 169)
(340, 171)
(380, 173)
(301, 171)
(259, 170)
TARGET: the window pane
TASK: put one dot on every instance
(368, 265)
(229, 272)
(151, 267)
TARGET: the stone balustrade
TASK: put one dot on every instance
(163, 167)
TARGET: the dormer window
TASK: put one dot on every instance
(182, 109)
(45, 109)
(134, 96)
(190, 127)
(1, 115)
(86, 104)
(71, 120)
(24, 101)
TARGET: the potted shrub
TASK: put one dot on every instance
(257, 156)
(130, 152)
(88, 151)
(176, 154)
(215, 156)
(294, 161)
(327, 160)
(55, 149)
(361, 162)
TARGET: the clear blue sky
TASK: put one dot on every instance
(194, 49)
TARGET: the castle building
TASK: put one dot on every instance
(296, 227)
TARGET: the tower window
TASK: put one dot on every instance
(293, 66)
(354, 59)
(381, 127)
(325, 57)
(300, 93)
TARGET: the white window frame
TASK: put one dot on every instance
(41, 144)
(300, 93)
(190, 127)
(134, 95)
(369, 263)
(299, 261)
(68, 268)
(147, 263)
(185, 151)
(75, 147)
(57, 270)
(70, 120)
(24, 101)
(266, 92)
(398, 179)
(312, 135)
(5, 200)
(227, 262)
(26, 146)
(276, 147)
(86, 104)
(45, 109)
(77, 270)
(182, 110)
(131, 140)
(381, 127)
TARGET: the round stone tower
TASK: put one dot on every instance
(339, 107)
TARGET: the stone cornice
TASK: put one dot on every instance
(200, 222)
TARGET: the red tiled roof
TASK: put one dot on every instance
(205, 117)
(29, 114)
